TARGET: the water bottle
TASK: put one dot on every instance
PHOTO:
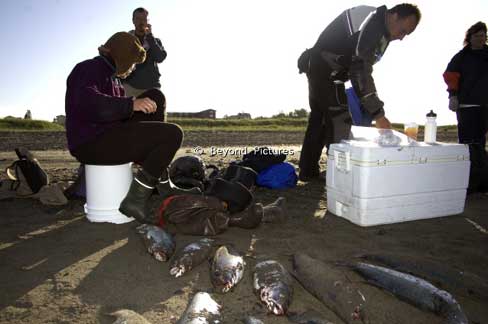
(430, 129)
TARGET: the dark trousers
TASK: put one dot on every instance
(472, 125)
(145, 139)
(329, 121)
(472, 129)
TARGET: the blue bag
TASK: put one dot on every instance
(360, 117)
(278, 176)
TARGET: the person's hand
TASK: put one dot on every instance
(453, 103)
(148, 29)
(145, 105)
(383, 122)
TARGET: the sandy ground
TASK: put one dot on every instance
(57, 267)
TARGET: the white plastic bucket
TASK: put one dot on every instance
(106, 186)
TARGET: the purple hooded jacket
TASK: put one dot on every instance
(95, 101)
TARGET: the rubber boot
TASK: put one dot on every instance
(135, 203)
(77, 190)
(249, 218)
(275, 212)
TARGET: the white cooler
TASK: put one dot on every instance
(372, 183)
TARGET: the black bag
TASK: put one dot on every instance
(31, 170)
(261, 158)
(235, 194)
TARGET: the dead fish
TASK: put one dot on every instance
(201, 310)
(190, 256)
(127, 316)
(158, 242)
(252, 320)
(414, 290)
(308, 317)
(273, 285)
(438, 273)
(226, 270)
(331, 286)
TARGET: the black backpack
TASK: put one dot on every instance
(30, 168)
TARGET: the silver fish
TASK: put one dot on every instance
(332, 287)
(190, 256)
(437, 273)
(201, 310)
(226, 269)
(158, 242)
(414, 290)
(273, 285)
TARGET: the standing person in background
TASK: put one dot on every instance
(105, 127)
(146, 75)
(466, 77)
(347, 49)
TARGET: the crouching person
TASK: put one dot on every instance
(104, 127)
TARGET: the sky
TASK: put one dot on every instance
(229, 55)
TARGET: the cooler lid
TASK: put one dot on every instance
(373, 147)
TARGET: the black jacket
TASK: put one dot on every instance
(349, 47)
(146, 75)
(467, 76)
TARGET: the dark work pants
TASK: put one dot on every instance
(472, 125)
(472, 129)
(329, 121)
(144, 138)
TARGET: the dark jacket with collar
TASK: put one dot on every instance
(146, 75)
(467, 76)
(95, 101)
(349, 47)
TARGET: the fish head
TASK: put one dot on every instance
(276, 297)
(225, 279)
(159, 255)
(177, 270)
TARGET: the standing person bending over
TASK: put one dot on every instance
(347, 49)
(104, 127)
(146, 75)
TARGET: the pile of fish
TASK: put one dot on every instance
(273, 284)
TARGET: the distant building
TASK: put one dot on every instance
(208, 113)
(240, 116)
(60, 119)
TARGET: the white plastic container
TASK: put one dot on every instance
(430, 130)
(106, 186)
(370, 184)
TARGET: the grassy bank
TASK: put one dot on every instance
(19, 124)
(193, 124)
